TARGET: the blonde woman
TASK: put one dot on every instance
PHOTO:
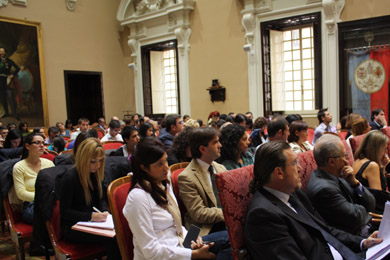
(81, 189)
(371, 160)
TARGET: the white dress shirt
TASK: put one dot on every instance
(109, 137)
(153, 228)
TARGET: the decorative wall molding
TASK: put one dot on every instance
(70, 4)
(332, 11)
(15, 2)
(153, 21)
(257, 11)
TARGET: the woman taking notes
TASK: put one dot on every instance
(81, 191)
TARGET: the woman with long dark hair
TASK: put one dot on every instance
(152, 211)
(23, 128)
(145, 129)
(81, 190)
(25, 173)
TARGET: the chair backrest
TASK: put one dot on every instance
(117, 195)
(343, 134)
(386, 131)
(348, 150)
(54, 223)
(48, 156)
(235, 198)
(310, 136)
(13, 215)
(308, 165)
(179, 165)
(111, 145)
(355, 142)
(175, 186)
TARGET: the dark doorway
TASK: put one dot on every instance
(84, 95)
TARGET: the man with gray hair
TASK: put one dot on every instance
(335, 192)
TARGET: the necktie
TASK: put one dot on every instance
(212, 177)
(340, 247)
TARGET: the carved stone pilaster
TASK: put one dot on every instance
(183, 36)
(249, 24)
(332, 11)
(15, 2)
(133, 44)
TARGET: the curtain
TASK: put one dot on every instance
(361, 102)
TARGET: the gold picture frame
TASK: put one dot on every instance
(23, 42)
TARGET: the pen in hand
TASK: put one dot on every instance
(95, 209)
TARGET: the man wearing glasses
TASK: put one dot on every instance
(335, 192)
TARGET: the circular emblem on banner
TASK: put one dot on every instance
(369, 76)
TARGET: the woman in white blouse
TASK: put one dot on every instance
(298, 137)
(152, 212)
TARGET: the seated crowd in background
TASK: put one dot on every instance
(230, 139)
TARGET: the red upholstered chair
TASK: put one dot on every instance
(175, 187)
(112, 145)
(310, 136)
(65, 250)
(343, 134)
(349, 152)
(308, 164)
(117, 195)
(21, 232)
(49, 156)
(234, 195)
(355, 142)
(386, 131)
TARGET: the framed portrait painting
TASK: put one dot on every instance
(22, 78)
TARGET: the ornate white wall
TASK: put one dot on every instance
(152, 22)
(257, 11)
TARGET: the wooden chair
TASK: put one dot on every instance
(235, 198)
(117, 195)
(111, 145)
(175, 186)
(179, 165)
(65, 250)
(21, 232)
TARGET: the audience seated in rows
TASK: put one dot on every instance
(282, 224)
(277, 130)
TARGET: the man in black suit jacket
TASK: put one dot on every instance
(282, 224)
(334, 191)
(378, 120)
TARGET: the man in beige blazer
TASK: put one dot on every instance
(196, 182)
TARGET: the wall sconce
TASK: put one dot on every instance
(71, 4)
(217, 92)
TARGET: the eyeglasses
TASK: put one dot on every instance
(295, 162)
(345, 156)
(38, 143)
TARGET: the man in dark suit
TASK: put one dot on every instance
(378, 120)
(282, 224)
(334, 191)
